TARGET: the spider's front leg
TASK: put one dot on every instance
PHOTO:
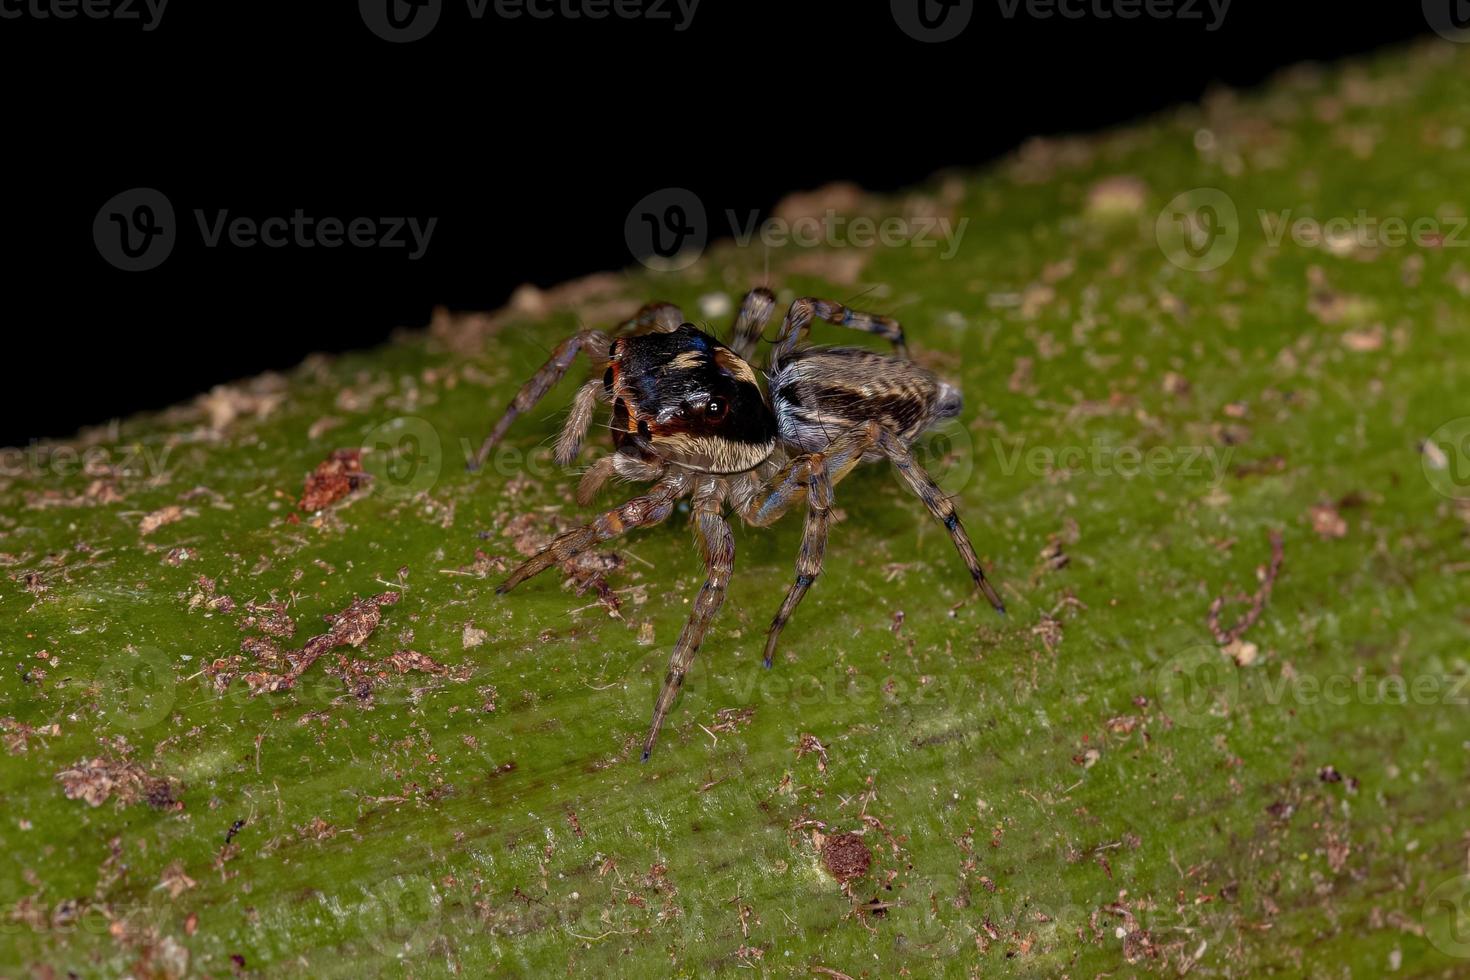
(594, 343)
(718, 547)
(647, 510)
(659, 317)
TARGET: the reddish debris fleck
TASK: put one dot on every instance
(334, 478)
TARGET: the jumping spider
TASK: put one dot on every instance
(690, 416)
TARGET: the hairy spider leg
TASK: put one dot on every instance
(750, 322)
(593, 342)
(662, 317)
(799, 318)
(812, 476)
(646, 510)
(717, 545)
(799, 476)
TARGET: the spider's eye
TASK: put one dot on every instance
(714, 408)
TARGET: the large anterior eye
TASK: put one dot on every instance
(714, 408)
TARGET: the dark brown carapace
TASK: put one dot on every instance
(690, 416)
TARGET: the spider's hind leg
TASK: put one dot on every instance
(799, 320)
(811, 476)
(593, 342)
(813, 548)
(933, 498)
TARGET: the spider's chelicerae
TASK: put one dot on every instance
(690, 416)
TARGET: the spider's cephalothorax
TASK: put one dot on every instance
(686, 398)
(689, 416)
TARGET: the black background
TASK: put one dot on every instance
(529, 140)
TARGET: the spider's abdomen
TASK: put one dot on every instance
(821, 391)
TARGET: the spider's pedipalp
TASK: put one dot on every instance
(569, 441)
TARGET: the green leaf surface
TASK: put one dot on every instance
(1090, 785)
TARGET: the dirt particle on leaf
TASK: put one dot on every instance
(334, 478)
(1117, 196)
(269, 618)
(405, 660)
(731, 719)
(350, 627)
(96, 780)
(472, 636)
(1327, 522)
(164, 515)
(174, 881)
(846, 857)
(809, 744)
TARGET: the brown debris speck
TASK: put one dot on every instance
(1267, 575)
(1327, 522)
(98, 779)
(846, 857)
(158, 518)
(174, 881)
(405, 660)
(334, 478)
(810, 745)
